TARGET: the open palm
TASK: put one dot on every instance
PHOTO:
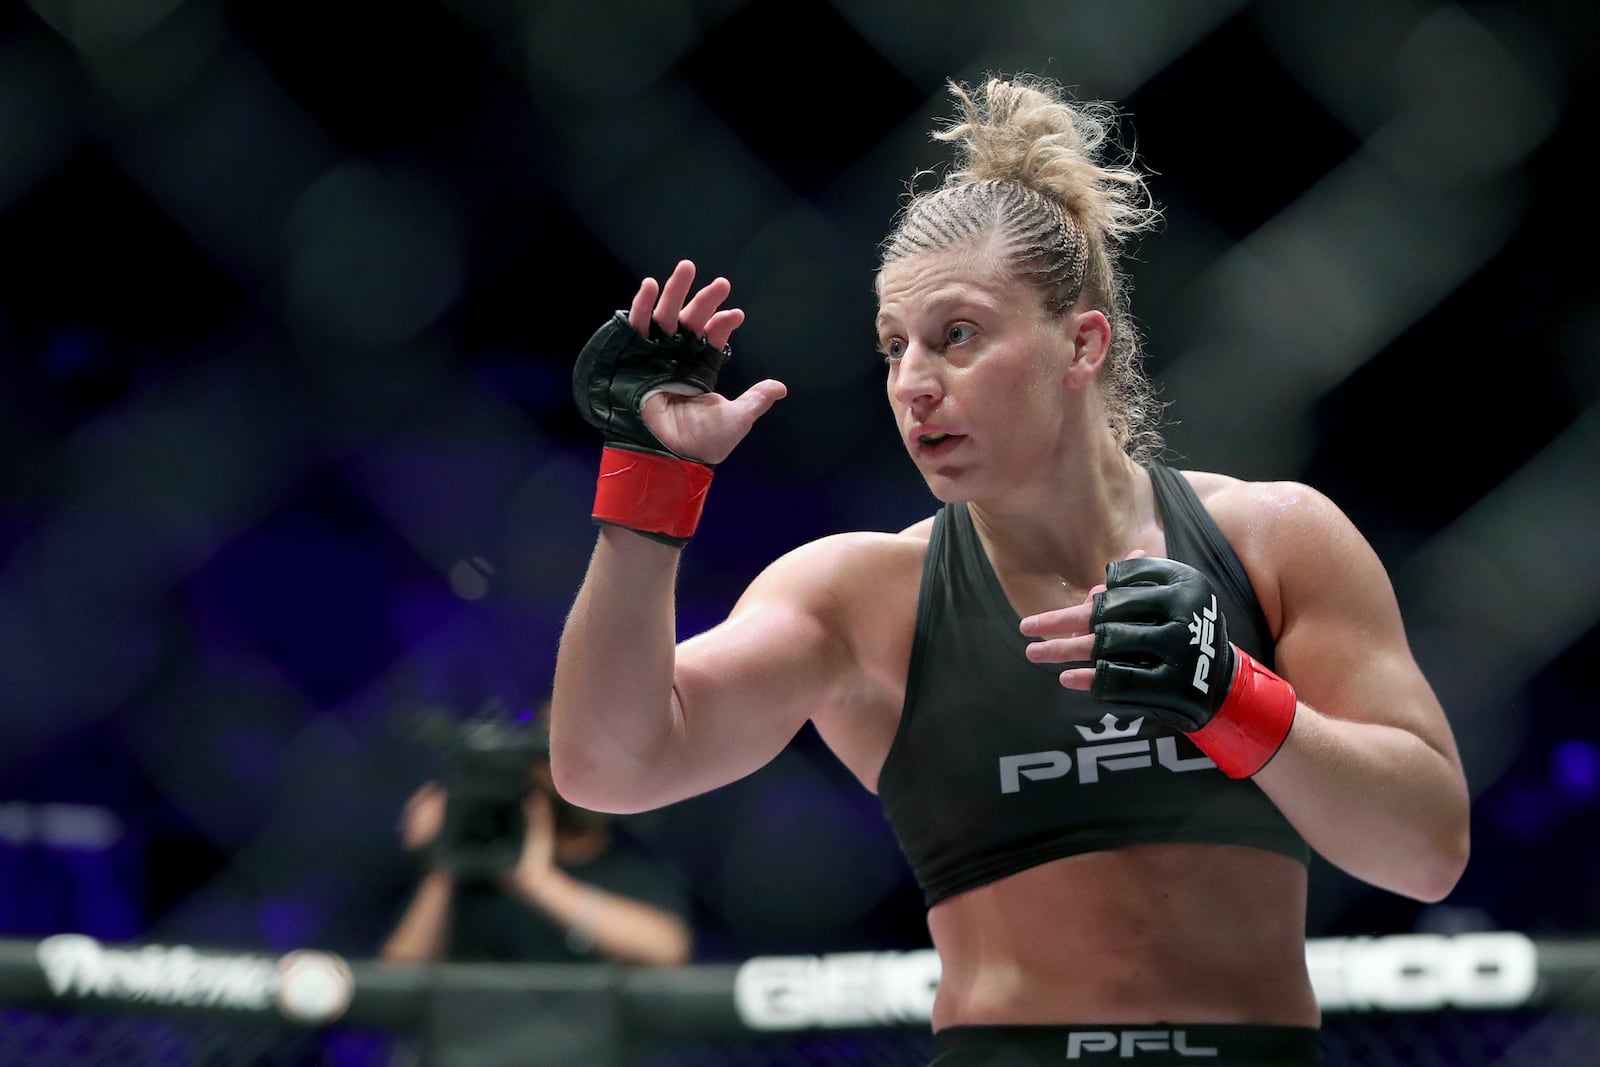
(706, 426)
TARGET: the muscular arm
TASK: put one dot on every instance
(1364, 765)
(637, 722)
(1369, 773)
(634, 724)
(612, 708)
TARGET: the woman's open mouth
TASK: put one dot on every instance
(937, 443)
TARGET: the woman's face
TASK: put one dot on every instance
(975, 371)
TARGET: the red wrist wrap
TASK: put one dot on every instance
(1249, 728)
(650, 492)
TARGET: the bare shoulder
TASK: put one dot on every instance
(1291, 538)
(1268, 516)
(847, 569)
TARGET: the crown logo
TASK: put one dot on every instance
(1109, 728)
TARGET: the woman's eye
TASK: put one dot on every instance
(893, 348)
(958, 332)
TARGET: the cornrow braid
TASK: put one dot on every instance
(1035, 234)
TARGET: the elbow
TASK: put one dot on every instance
(580, 786)
(1435, 878)
(598, 773)
(586, 784)
(1440, 859)
(577, 777)
(1453, 866)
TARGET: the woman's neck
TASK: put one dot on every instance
(1074, 525)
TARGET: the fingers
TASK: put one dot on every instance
(1078, 648)
(757, 400)
(1065, 636)
(643, 301)
(1062, 622)
(721, 326)
(1078, 678)
(698, 312)
(670, 306)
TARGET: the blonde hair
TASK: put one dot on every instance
(1031, 181)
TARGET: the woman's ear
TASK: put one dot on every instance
(1090, 335)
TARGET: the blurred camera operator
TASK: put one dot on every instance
(572, 891)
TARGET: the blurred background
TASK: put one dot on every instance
(289, 294)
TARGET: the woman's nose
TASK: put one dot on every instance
(915, 378)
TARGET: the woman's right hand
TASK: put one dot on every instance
(706, 426)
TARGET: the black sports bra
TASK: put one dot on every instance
(995, 767)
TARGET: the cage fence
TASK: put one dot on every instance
(854, 1010)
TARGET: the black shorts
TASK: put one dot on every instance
(1157, 1045)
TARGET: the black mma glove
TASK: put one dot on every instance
(1162, 643)
(644, 485)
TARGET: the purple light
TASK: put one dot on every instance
(1577, 768)
(287, 922)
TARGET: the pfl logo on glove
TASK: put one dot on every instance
(1204, 629)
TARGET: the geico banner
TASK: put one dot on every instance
(1400, 972)
(1423, 972)
(845, 989)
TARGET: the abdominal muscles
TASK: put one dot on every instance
(1150, 933)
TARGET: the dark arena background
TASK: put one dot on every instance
(289, 295)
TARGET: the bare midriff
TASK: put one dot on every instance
(1146, 934)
